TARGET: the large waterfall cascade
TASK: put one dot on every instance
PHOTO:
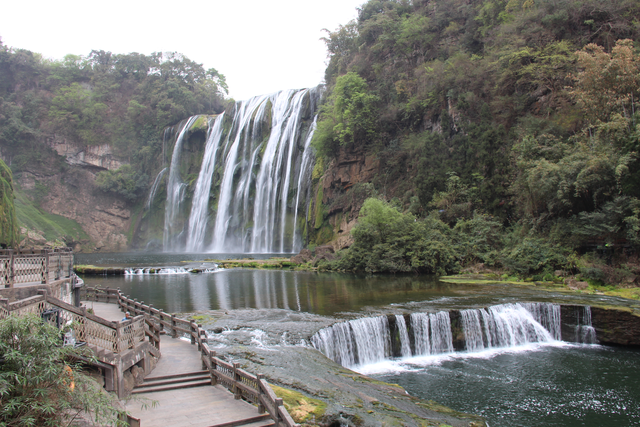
(374, 339)
(252, 190)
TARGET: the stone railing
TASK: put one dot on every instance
(252, 388)
(45, 267)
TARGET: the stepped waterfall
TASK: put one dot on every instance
(245, 186)
(374, 339)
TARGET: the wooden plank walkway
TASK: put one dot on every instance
(195, 407)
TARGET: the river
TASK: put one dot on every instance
(548, 384)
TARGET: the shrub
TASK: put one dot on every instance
(41, 383)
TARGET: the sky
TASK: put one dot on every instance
(260, 46)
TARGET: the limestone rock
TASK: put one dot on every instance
(576, 285)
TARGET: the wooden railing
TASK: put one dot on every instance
(44, 267)
(115, 337)
(252, 388)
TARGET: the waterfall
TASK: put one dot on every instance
(304, 184)
(198, 217)
(507, 325)
(405, 347)
(369, 340)
(585, 333)
(175, 188)
(441, 336)
(254, 180)
(154, 188)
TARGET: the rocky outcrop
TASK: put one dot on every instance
(347, 170)
(103, 217)
(98, 156)
(615, 326)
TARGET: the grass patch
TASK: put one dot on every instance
(51, 226)
(300, 407)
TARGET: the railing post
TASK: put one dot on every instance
(214, 367)
(194, 330)
(279, 403)
(11, 274)
(45, 277)
(117, 344)
(261, 408)
(237, 392)
(174, 332)
(83, 335)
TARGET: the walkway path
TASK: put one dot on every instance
(195, 407)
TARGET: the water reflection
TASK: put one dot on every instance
(291, 290)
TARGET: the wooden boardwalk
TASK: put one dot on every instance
(202, 406)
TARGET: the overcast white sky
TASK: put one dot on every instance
(260, 46)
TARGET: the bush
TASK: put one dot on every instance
(123, 182)
(388, 241)
(41, 383)
(533, 255)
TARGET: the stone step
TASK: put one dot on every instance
(171, 381)
(151, 388)
(257, 421)
(170, 377)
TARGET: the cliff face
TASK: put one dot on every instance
(65, 186)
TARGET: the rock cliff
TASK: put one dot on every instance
(64, 185)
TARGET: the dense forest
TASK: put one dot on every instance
(505, 132)
(508, 129)
(123, 102)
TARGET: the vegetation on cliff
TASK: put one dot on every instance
(520, 113)
(8, 221)
(114, 104)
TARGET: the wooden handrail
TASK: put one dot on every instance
(238, 381)
(45, 267)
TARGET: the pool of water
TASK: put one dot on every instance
(561, 385)
(540, 385)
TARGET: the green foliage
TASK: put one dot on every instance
(388, 241)
(125, 182)
(40, 384)
(122, 100)
(533, 255)
(8, 218)
(349, 116)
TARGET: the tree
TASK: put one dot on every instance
(41, 382)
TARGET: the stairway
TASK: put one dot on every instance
(173, 382)
(257, 421)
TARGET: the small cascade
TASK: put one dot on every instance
(154, 188)
(585, 332)
(374, 339)
(141, 271)
(507, 325)
(368, 340)
(405, 347)
(548, 315)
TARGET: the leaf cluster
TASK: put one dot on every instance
(40, 384)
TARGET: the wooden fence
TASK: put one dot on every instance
(252, 388)
(45, 267)
(115, 337)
